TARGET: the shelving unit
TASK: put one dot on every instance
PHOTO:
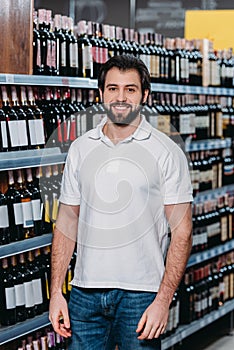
(23, 79)
(50, 156)
(13, 332)
(186, 330)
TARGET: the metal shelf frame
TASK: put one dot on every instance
(18, 330)
(25, 245)
(184, 331)
(210, 253)
(31, 158)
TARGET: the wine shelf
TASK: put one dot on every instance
(42, 80)
(20, 329)
(190, 89)
(202, 196)
(13, 332)
(205, 145)
(210, 253)
(76, 82)
(186, 330)
(31, 158)
(25, 245)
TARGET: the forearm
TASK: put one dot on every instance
(177, 258)
(62, 250)
(178, 252)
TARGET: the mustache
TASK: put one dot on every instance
(120, 104)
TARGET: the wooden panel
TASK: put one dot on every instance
(16, 32)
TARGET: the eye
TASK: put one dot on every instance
(131, 90)
(112, 88)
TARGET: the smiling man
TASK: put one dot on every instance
(124, 182)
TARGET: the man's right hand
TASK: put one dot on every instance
(58, 315)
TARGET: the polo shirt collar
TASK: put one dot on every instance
(142, 132)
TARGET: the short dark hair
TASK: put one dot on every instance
(125, 62)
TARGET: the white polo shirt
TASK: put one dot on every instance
(122, 190)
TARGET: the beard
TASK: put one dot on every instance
(125, 118)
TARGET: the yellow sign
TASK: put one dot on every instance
(215, 25)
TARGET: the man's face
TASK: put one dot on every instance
(122, 95)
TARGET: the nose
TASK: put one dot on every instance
(121, 96)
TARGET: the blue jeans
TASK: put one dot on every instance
(103, 318)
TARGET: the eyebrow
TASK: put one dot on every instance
(128, 85)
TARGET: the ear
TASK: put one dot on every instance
(101, 95)
(145, 96)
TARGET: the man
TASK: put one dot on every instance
(123, 183)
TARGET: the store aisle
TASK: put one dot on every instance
(224, 343)
(216, 336)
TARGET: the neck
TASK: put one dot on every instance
(119, 132)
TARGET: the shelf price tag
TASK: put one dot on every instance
(10, 78)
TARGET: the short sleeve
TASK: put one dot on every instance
(70, 193)
(176, 183)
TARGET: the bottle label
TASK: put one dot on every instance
(177, 69)
(27, 214)
(37, 291)
(48, 54)
(104, 55)
(187, 123)
(13, 129)
(47, 209)
(36, 209)
(10, 298)
(73, 55)
(22, 133)
(53, 54)
(153, 66)
(224, 228)
(54, 207)
(36, 130)
(4, 134)
(63, 54)
(19, 294)
(4, 220)
(87, 57)
(95, 54)
(29, 296)
(202, 121)
(18, 212)
(38, 53)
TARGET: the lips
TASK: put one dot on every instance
(120, 106)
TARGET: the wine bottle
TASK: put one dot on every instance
(4, 221)
(7, 296)
(36, 276)
(52, 44)
(68, 40)
(85, 57)
(28, 286)
(36, 46)
(35, 202)
(35, 122)
(45, 43)
(15, 210)
(18, 125)
(26, 203)
(18, 281)
(60, 46)
(186, 295)
(73, 48)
